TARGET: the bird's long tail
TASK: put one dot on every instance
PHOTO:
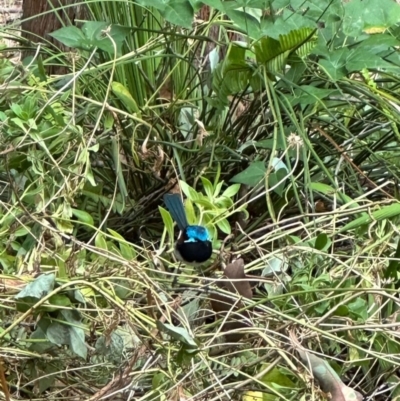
(176, 209)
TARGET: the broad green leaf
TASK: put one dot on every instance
(307, 94)
(277, 181)
(275, 265)
(76, 332)
(93, 35)
(96, 36)
(177, 333)
(38, 288)
(379, 43)
(17, 109)
(71, 36)
(56, 301)
(360, 58)
(111, 347)
(58, 333)
(334, 63)
(179, 12)
(253, 174)
(190, 310)
(244, 20)
(359, 308)
(369, 16)
(322, 243)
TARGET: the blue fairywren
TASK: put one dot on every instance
(193, 245)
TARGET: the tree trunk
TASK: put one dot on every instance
(36, 26)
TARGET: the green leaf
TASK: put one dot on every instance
(58, 333)
(20, 232)
(330, 191)
(224, 226)
(231, 191)
(100, 241)
(334, 63)
(253, 174)
(244, 20)
(58, 300)
(386, 212)
(307, 94)
(218, 188)
(275, 266)
(17, 110)
(127, 250)
(360, 59)
(233, 74)
(280, 177)
(83, 216)
(96, 36)
(190, 213)
(369, 16)
(71, 36)
(359, 308)
(189, 191)
(275, 375)
(179, 12)
(273, 53)
(322, 243)
(93, 34)
(168, 222)
(208, 187)
(393, 268)
(190, 310)
(111, 347)
(38, 288)
(76, 332)
(126, 98)
(177, 333)
(49, 374)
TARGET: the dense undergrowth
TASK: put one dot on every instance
(279, 122)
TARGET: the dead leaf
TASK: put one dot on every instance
(328, 379)
(235, 281)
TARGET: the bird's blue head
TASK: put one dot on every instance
(197, 233)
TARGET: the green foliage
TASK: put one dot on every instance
(295, 105)
(55, 326)
(92, 35)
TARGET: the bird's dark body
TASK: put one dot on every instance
(193, 251)
(193, 245)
